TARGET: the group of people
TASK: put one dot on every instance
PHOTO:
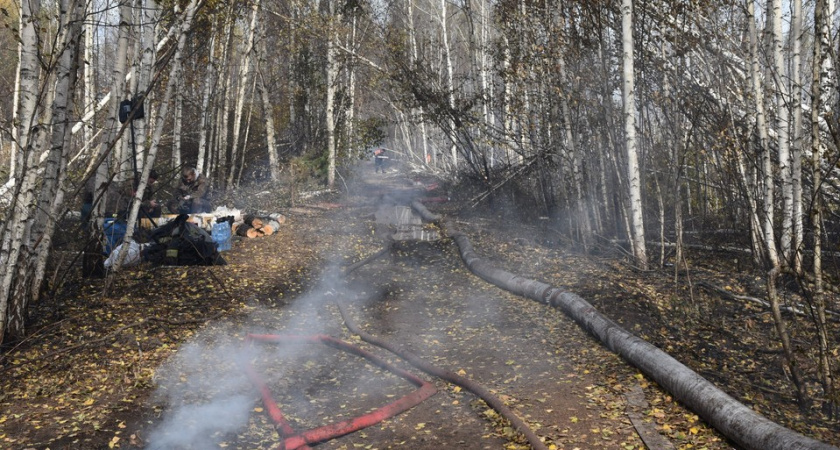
(190, 197)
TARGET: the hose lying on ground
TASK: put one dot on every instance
(730, 417)
(491, 400)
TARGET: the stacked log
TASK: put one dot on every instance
(254, 226)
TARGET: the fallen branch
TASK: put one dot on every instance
(367, 260)
(835, 317)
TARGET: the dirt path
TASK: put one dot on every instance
(419, 296)
(180, 384)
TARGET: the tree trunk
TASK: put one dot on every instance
(818, 97)
(769, 254)
(782, 127)
(55, 173)
(796, 149)
(242, 79)
(332, 86)
(206, 121)
(449, 86)
(633, 175)
(13, 251)
(177, 119)
(267, 108)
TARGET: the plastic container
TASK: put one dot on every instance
(221, 235)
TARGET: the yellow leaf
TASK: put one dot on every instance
(420, 426)
(456, 389)
(113, 442)
(258, 409)
(573, 419)
(461, 372)
(88, 402)
(693, 430)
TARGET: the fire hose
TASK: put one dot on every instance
(293, 440)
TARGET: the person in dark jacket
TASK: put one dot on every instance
(149, 206)
(192, 195)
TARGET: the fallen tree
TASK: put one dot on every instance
(733, 419)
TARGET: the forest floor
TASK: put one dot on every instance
(156, 360)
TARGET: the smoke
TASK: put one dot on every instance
(204, 389)
(207, 397)
(206, 393)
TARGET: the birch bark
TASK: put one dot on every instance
(797, 124)
(12, 250)
(267, 108)
(206, 121)
(629, 97)
(770, 254)
(782, 127)
(332, 86)
(244, 72)
(55, 173)
(820, 94)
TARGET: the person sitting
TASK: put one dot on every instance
(192, 195)
(149, 207)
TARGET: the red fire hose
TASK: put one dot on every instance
(293, 440)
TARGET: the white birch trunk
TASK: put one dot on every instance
(450, 88)
(14, 152)
(820, 93)
(350, 112)
(267, 108)
(782, 127)
(332, 86)
(629, 97)
(149, 15)
(768, 235)
(220, 163)
(177, 118)
(206, 121)
(13, 252)
(123, 156)
(796, 149)
(242, 155)
(53, 189)
(244, 72)
(90, 88)
(412, 36)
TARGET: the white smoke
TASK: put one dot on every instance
(205, 391)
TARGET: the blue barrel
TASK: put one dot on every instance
(221, 235)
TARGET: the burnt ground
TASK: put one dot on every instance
(156, 360)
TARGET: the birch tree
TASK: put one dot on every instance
(332, 71)
(267, 107)
(12, 251)
(242, 80)
(629, 98)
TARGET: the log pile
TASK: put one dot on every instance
(255, 226)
